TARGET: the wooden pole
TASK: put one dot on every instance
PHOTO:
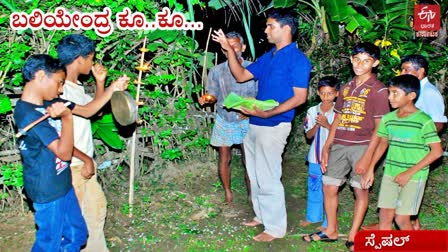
(134, 135)
(29, 126)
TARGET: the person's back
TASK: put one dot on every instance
(46, 150)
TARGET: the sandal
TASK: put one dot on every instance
(350, 245)
(323, 237)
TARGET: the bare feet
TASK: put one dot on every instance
(304, 223)
(376, 226)
(229, 197)
(229, 205)
(373, 226)
(251, 223)
(264, 237)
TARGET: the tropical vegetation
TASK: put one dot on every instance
(172, 128)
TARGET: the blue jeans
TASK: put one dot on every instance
(60, 225)
(315, 211)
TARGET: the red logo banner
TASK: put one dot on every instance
(406, 240)
(427, 17)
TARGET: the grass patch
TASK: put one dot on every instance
(188, 214)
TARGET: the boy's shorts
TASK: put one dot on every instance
(405, 200)
(342, 162)
(228, 133)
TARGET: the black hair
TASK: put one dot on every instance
(42, 62)
(417, 62)
(406, 82)
(285, 17)
(367, 47)
(234, 34)
(74, 45)
(328, 81)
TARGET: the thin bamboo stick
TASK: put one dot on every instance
(134, 135)
(204, 67)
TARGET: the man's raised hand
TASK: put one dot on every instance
(220, 37)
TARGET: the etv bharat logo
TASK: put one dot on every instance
(427, 20)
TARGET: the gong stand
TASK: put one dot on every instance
(141, 68)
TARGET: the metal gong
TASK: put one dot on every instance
(124, 108)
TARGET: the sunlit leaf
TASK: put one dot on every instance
(216, 4)
(5, 104)
(284, 3)
(358, 20)
(337, 10)
(154, 46)
(109, 137)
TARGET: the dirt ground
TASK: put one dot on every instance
(186, 213)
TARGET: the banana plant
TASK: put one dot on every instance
(242, 10)
(105, 130)
(330, 13)
(376, 19)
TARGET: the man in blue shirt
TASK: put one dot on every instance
(283, 75)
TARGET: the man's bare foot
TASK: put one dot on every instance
(304, 223)
(251, 223)
(264, 237)
(229, 205)
(373, 226)
(229, 197)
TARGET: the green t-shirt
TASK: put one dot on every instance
(409, 140)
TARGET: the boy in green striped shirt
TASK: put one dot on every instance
(413, 144)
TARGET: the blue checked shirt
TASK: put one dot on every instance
(220, 83)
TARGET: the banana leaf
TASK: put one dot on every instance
(234, 101)
(5, 104)
(105, 130)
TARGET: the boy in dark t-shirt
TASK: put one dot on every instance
(351, 142)
(46, 150)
